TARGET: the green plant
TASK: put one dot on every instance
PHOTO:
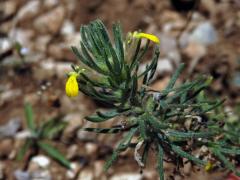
(109, 73)
(39, 135)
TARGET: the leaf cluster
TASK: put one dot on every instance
(40, 134)
(174, 121)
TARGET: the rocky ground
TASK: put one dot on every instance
(35, 55)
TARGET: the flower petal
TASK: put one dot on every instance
(151, 37)
(71, 87)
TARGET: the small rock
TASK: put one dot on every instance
(74, 120)
(6, 146)
(22, 36)
(23, 134)
(21, 175)
(68, 28)
(8, 8)
(205, 34)
(71, 174)
(50, 3)
(42, 42)
(41, 175)
(5, 45)
(9, 95)
(41, 160)
(2, 171)
(167, 44)
(127, 176)
(49, 68)
(98, 168)
(86, 174)
(164, 65)
(33, 167)
(85, 135)
(50, 22)
(187, 168)
(62, 51)
(160, 84)
(72, 151)
(29, 10)
(236, 79)
(91, 148)
(10, 129)
(195, 50)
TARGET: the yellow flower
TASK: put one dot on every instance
(208, 166)
(151, 37)
(71, 87)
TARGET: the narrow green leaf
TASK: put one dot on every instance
(29, 117)
(100, 117)
(123, 145)
(103, 130)
(174, 77)
(54, 153)
(186, 155)
(233, 151)
(142, 127)
(189, 134)
(224, 160)
(51, 128)
(21, 153)
(160, 155)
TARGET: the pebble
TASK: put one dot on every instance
(42, 43)
(6, 146)
(2, 171)
(23, 134)
(195, 50)
(41, 160)
(49, 68)
(72, 151)
(168, 43)
(29, 10)
(236, 79)
(22, 36)
(41, 175)
(5, 45)
(91, 148)
(50, 22)
(187, 168)
(205, 34)
(10, 129)
(71, 174)
(127, 176)
(21, 175)
(98, 168)
(50, 3)
(9, 95)
(86, 174)
(8, 8)
(68, 28)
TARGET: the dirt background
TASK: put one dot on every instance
(205, 37)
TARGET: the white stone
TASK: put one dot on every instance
(205, 33)
(50, 22)
(29, 10)
(23, 134)
(127, 176)
(71, 173)
(85, 174)
(41, 160)
(50, 3)
(68, 28)
(10, 129)
(5, 45)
